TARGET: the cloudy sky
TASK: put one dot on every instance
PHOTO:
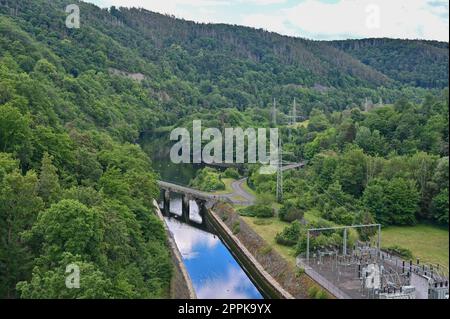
(314, 19)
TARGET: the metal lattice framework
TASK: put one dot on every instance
(345, 230)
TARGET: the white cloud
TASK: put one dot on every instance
(189, 239)
(232, 286)
(427, 19)
(349, 18)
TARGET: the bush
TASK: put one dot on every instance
(300, 272)
(317, 293)
(231, 173)
(257, 211)
(236, 228)
(291, 211)
(265, 199)
(262, 222)
(290, 235)
(400, 251)
(339, 215)
(265, 250)
(321, 294)
(325, 238)
(312, 292)
(208, 180)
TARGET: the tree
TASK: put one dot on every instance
(375, 201)
(14, 130)
(68, 226)
(50, 283)
(7, 164)
(19, 207)
(440, 207)
(291, 210)
(422, 166)
(392, 202)
(371, 142)
(318, 121)
(403, 200)
(351, 171)
(48, 186)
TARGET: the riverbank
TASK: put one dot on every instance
(181, 286)
(286, 274)
(267, 285)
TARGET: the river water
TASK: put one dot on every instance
(214, 272)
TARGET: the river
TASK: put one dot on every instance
(214, 272)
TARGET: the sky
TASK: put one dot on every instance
(313, 19)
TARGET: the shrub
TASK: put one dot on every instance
(339, 215)
(321, 294)
(236, 228)
(312, 292)
(290, 235)
(265, 250)
(208, 180)
(262, 222)
(400, 251)
(291, 210)
(231, 173)
(257, 211)
(265, 199)
(300, 272)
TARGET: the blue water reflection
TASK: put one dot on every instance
(214, 272)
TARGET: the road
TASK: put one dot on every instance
(240, 196)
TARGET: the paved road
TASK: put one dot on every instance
(240, 192)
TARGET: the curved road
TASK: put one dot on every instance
(240, 196)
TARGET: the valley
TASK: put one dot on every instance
(86, 117)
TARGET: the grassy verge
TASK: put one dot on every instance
(228, 189)
(429, 243)
(248, 189)
(268, 232)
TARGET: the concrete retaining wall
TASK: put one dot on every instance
(181, 285)
(265, 282)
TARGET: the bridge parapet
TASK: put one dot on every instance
(193, 193)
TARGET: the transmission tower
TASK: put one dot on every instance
(294, 112)
(280, 173)
(274, 113)
(292, 117)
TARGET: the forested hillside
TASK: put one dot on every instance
(415, 63)
(76, 188)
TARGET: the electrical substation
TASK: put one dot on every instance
(365, 271)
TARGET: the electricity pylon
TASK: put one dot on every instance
(274, 113)
(280, 173)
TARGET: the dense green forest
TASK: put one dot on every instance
(415, 63)
(75, 186)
